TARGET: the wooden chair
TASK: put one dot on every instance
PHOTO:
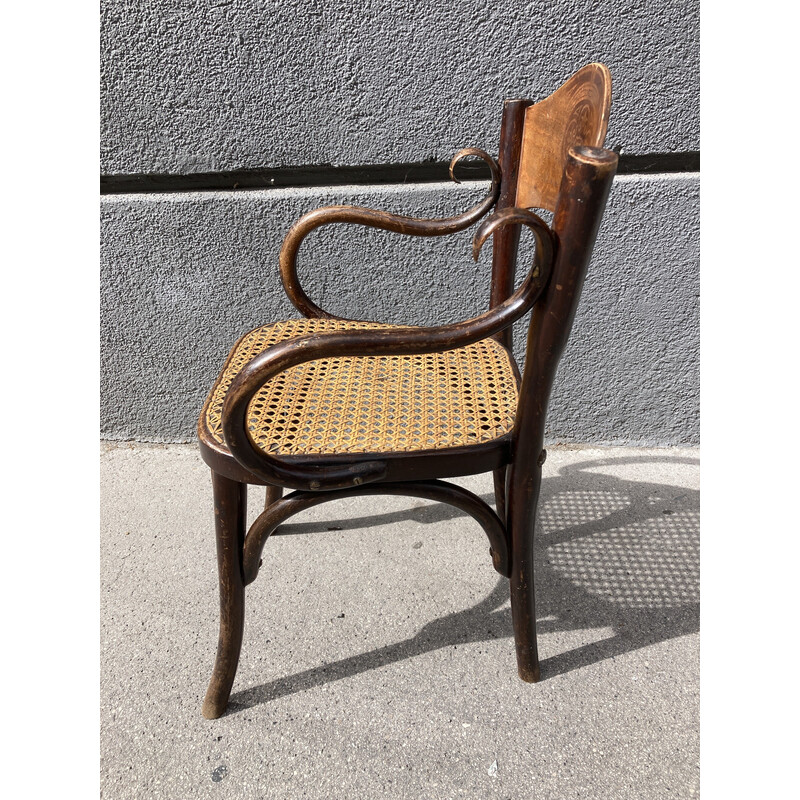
(334, 408)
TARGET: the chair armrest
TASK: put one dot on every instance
(397, 341)
(376, 219)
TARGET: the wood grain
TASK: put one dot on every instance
(576, 114)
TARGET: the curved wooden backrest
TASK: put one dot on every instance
(574, 115)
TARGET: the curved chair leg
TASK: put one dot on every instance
(273, 493)
(523, 497)
(230, 511)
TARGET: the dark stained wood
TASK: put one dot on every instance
(549, 158)
(574, 115)
(230, 512)
(499, 479)
(506, 241)
(409, 226)
(273, 494)
(418, 465)
(265, 525)
(587, 181)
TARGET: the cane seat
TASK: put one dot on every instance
(370, 404)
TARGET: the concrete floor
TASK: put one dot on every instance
(378, 657)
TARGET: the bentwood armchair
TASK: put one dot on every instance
(333, 408)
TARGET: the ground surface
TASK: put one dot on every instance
(378, 658)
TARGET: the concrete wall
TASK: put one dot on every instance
(191, 87)
(185, 274)
(216, 85)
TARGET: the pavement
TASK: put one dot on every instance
(378, 657)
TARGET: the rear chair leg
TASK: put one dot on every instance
(273, 493)
(523, 497)
(230, 511)
(500, 492)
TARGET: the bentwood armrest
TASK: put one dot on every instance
(357, 215)
(397, 341)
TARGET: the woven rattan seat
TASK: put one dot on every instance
(371, 404)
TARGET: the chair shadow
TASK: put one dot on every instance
(610, 553)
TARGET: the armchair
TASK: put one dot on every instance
(334, 408)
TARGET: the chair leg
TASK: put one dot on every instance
(273, 493)
(523, 497)
(230, 513)
(500, 492)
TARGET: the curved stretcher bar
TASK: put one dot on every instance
(441, 491)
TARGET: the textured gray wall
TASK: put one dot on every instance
(215, 85)
(184, 275)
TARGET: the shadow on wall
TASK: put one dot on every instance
(610, 553)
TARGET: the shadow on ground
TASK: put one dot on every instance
(610, 553)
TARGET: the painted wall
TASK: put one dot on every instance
(216, 85)
(201, 86)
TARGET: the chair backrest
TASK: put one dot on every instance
(550, 159)
(576, 114)
(535, 139)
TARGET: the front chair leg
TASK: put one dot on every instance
(230, 512)
(523, 497)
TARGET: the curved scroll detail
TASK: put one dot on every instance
(395, 341)
(444, 492)
(377, 219)
(514, 216)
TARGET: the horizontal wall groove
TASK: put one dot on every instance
(365, 175)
